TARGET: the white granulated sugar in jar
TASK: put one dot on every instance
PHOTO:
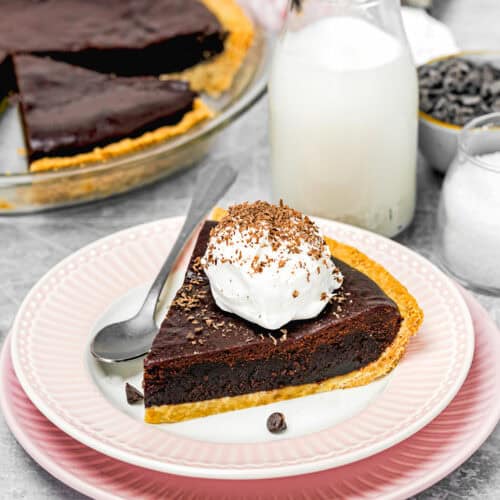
(470, 224)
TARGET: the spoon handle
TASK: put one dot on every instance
(211, 185)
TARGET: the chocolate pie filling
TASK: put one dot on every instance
(94, 109)
(203, 353)
(124, 37)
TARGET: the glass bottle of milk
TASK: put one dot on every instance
(343, 113)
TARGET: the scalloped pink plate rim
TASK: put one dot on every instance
(97, 275)
(459, 431)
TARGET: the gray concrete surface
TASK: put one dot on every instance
(31, 245)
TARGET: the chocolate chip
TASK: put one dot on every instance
(440, 115)
(495, 88)
(444, 65)
(434, 76)
(483, 108)
(473, 81)
(450, 84)
(496, 105)
(452, 97)
(276, 423)
(426, 104)
(470, 100)
(485, 89)
(134, 395)
(441, 104)
(460, 67)
(488, 73)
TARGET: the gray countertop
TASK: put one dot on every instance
(31, 245)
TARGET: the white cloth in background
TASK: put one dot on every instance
(428, 37)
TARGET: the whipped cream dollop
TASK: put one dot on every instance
(269, 265)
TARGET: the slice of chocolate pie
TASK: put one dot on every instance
(73, 115)
(349, 321)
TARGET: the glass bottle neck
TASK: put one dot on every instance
(384, 14)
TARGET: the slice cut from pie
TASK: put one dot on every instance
(205, 361)
(73, 116)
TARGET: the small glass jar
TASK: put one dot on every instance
(343, 113)
(468, 233)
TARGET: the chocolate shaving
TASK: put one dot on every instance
(133, 394)
(281, 227)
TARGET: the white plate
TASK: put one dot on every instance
(106, 281)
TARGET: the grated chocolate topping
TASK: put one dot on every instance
(282, 228)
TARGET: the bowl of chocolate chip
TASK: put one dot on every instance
(454, 90)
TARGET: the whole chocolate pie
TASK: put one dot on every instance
(90, 94)
(205, 360)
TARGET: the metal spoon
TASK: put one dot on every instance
(132, 338)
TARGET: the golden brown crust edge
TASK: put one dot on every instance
(412, 319)
(199, 113)
(217, 75)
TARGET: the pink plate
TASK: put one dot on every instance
(50, 355)
(399, 472)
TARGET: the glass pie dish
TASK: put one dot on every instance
(22, 191)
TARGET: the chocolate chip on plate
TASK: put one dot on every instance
(276, 423)
(134, 395)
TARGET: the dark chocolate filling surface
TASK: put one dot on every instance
(204, 353)
(68, 109)
(124, 37)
